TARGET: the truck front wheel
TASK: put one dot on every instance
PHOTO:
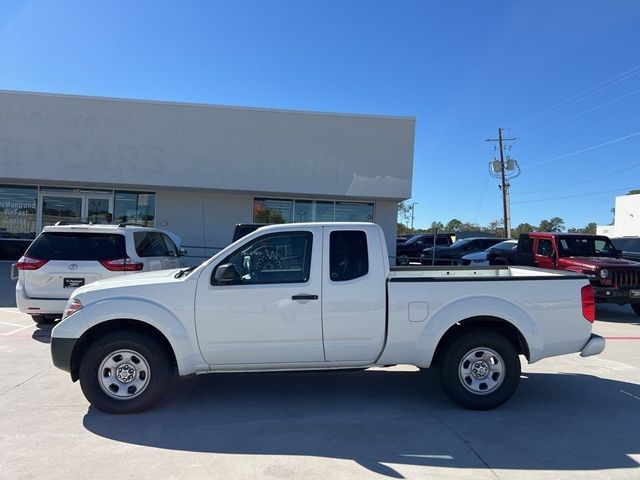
(125, 372)
(480, 370)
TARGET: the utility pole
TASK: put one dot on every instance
(512, 171)
(413, 208)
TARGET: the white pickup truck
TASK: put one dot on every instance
(319, 297)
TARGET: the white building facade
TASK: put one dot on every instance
(197, 170)
(626, 218)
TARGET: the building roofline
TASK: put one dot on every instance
(205, 105)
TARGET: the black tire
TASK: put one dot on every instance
(500, 261)
(460, 385)
(148, 356)
(636, 308)
(44, 319)
(402, 261)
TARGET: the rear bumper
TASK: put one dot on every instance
(38, 306)
(594, 346)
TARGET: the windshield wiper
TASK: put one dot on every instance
(184, 271)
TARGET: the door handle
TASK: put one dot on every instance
(304, 297)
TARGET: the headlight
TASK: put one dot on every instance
(72, 307)
(604, 273)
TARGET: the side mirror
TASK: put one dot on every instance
(618, 253)
(182, 252)
(226, 274)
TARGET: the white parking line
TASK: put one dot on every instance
(15, 331)
(12, 324)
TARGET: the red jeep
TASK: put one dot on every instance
(614, 279)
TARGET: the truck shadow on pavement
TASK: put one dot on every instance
(382, 418)
(616, 314)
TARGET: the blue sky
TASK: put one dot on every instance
(561, 76)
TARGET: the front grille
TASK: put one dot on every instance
(626, 277)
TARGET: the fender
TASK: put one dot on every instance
(479, 306)
(182, 338)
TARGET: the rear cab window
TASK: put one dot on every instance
(348, 255)
(78, 246)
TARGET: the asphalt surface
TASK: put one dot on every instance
(571, 418)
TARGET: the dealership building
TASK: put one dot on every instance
(196, 170)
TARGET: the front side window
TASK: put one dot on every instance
(545, 247)
(348, 255)
(274, 258)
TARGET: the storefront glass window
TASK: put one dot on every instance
(18, 212)
(354, 212)
(303, 211)
(267, 210)
(133, 207)
(324, 211)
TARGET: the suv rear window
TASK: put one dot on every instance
(78, 246)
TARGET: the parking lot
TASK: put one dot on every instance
(571, 417)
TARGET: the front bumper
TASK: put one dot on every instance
(594, 346)
(61, 352)
(620, 295)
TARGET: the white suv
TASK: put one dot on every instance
(63, 258)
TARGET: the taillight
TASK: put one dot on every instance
(588, 303)
(72, 307)
(122, 265)
(29, 263)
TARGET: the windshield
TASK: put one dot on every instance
(586, 247)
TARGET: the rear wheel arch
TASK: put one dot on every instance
(124, 324)
(482, 323)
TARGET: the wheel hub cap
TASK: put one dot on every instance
(126, 373)
(480, 369)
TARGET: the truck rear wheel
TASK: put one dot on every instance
(480, 370)
(125, 372)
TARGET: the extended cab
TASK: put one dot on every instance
(319, 297)
(614, 279)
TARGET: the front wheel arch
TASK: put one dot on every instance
(110, 326)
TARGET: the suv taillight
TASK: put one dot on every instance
(588, 303)
(122, 265)
(28, 263)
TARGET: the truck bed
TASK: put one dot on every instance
(461, 273)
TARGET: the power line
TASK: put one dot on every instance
(575, 196)
(584, 181)
(584, 112)
(580, 96)
(577, 152)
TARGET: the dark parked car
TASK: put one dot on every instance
(451, 255)
(410, 250)
(503, 253)
(243, 229)
(629, 246)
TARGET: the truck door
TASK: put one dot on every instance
(271, 313)
(545, 255)
(353, 294)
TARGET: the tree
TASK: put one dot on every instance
(453, 225)
(404, 212)
(634, 192)
(589, 229)
(403, 229)
(435, 226)
(522, 228)
(555, 224)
